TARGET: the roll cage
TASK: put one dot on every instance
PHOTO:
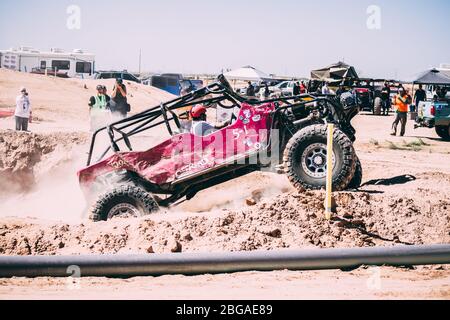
(218, 93)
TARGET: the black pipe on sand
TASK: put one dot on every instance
(211, 263)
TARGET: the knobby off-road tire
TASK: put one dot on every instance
(123, 201)
(310, 143)
(443, 132)
(355, 183)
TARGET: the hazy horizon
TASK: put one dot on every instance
(284, 37)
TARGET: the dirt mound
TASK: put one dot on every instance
(289, 220)
(22, 153)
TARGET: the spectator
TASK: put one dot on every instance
(266, 91)
(340, 91)
(296, 89)
(23, 110)
(119, 104)
(325, 89)
(419, 96)
(437, 94)
(401, 102)
(99, 106)
(386, 98)
(441, 93)
(250, 90)
(303, 88)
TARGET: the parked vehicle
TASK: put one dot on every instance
(285, 88)
(279, 134)
(26, 59)
(365, 99)
(435, 114)
(173, 83)
(125, 75)
(256, 85)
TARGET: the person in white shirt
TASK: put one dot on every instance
(23, 110)
(325, 89)
(200, 127)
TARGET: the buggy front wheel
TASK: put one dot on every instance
(305, 159)
(123, 202)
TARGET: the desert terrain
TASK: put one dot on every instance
(403, 200)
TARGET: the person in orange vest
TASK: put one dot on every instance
(401, 103)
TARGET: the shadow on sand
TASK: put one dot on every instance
(403, 179)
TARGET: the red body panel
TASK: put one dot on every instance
(186, 154)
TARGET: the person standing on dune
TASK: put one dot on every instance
(23, 110)
(99, 108)
(119, 103)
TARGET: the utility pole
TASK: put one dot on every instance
(140, 60)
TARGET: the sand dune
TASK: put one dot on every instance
(65, 101)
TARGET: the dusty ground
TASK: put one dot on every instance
(364, 283)
(404, 199)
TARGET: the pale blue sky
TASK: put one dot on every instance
(288, 37)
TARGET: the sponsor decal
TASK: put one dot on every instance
(202, 164)
(118, 164)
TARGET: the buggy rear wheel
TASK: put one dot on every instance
(305, 159)
(443, 132)
(124, 202)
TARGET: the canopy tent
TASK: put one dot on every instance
(434, 77)
(248, 73)
(445, 71)
(335, 72)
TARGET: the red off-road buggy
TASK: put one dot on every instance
(286, 135)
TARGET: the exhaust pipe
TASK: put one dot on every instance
(210, 263)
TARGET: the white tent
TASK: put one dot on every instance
(247, 73)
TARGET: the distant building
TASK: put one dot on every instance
(26, 59)
(444, 67)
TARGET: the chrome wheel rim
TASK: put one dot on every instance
(123, 210)
(314, 160)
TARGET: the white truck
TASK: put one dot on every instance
(285, 88)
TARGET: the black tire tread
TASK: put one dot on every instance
(443, 132)
(349, 164)
(355, 183)
(149, 204)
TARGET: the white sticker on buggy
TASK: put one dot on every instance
(257, 118)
